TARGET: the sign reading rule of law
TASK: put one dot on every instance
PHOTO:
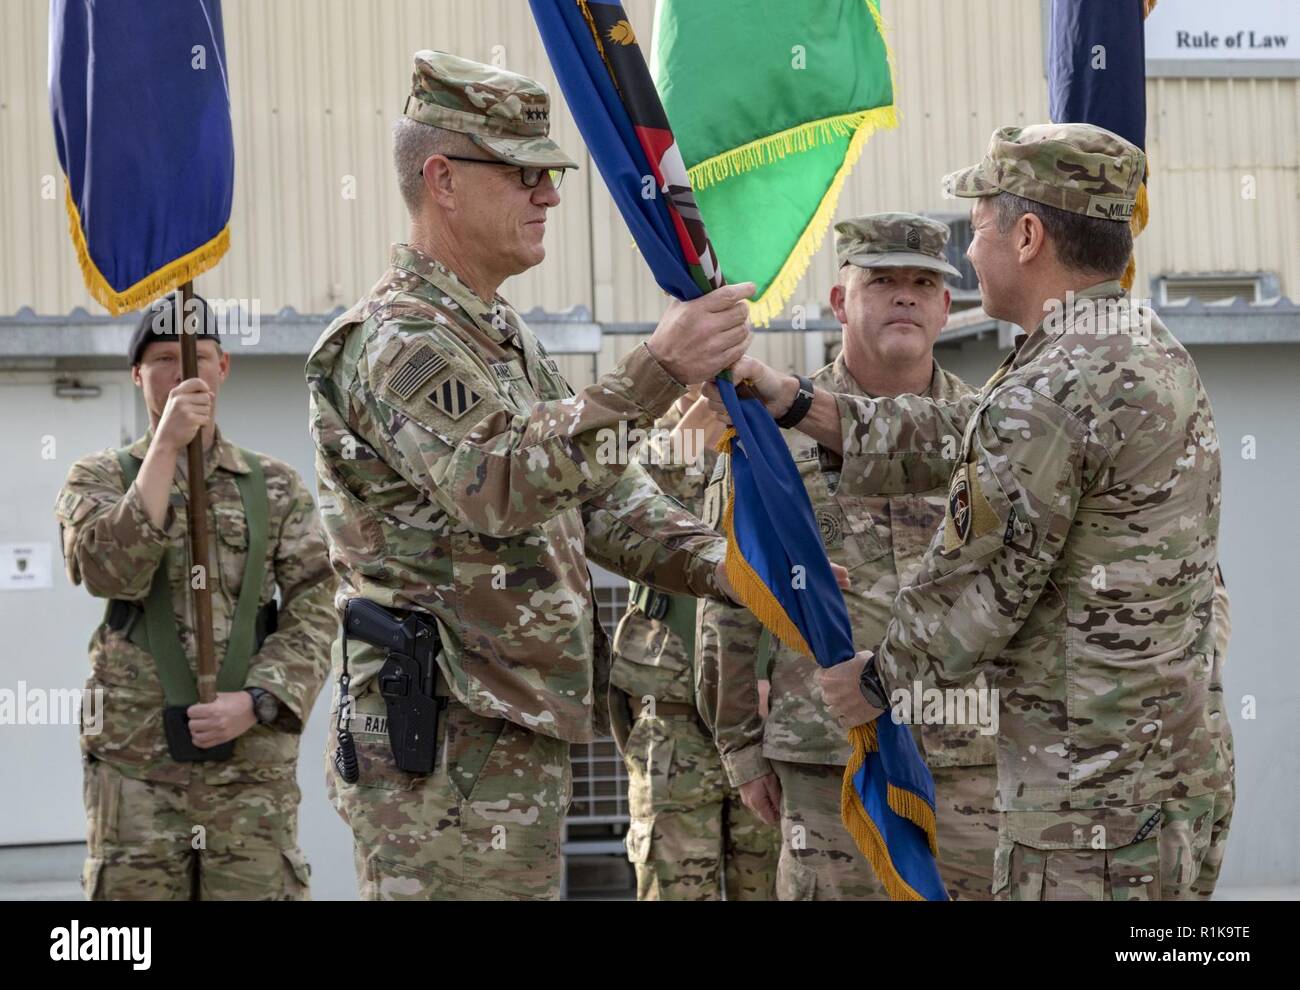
(1258, 31)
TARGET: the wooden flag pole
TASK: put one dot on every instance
(198, 511)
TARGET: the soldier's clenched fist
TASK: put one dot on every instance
(188, 410)
(697, 339)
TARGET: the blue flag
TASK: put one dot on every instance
(141, 107)
(775, 558)
(1096, 66)
(1096, 74)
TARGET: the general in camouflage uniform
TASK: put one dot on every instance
(161, 829)
(1075, 565)
(690, 835)
(881, 539)
(463, 485)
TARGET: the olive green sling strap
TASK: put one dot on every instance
(158, 634)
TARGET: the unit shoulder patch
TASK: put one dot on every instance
(453, 397)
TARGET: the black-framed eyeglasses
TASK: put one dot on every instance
(529, 175)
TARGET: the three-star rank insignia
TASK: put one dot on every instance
(454, 397)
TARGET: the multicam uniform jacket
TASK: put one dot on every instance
(1075, 565)
(881, 539)
(650, 659)
(462, 477)
(111, 547)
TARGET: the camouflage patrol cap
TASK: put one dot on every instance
(893, 240)
(1081, 168)
(505, 114)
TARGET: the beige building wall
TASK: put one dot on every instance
(317, 83)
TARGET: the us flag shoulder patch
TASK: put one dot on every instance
(422, 365)
(454, 397)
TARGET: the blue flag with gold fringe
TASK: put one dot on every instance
(1096, 74)
(775, 558)
(141, 106)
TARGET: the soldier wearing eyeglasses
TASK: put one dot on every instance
(464, 491)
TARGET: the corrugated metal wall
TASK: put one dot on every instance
(317, 84)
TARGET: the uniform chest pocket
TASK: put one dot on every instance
(231, 546)
(849, 524)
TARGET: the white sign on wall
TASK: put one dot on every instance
(1258, 30)
(24, 566)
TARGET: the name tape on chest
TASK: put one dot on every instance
(422, 365)
(507, 371)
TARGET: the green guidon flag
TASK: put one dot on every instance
(772, 102)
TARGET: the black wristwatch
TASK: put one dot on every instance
(265, 705)
(872, 689)
(803, 400)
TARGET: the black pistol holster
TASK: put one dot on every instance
(407, 679)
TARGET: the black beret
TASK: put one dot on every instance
(158, 322)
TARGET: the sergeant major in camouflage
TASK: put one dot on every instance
(463, 485)
(690, 837)
(1075, 565)
(160, 829)
(891, 301)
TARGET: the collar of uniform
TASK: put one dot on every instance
(222, 454)
(1029, 347)
(447, 284)
(838, 377)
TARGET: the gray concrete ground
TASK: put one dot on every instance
(49, 873)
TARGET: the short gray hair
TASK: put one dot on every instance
(1087, 244)
(413, 143)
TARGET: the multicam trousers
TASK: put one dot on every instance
(484, 825)
(966, 826)
(1168, 851)
(820, 861)
(208, 842)
(691, 838)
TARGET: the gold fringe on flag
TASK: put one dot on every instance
(859, 824)
(769, 305)
(149, 288)
(754, 594)
(766, 150)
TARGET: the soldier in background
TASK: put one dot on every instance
(465, 493)
(1075, 564)
(163, 828)
(891, 301)
(690, 836)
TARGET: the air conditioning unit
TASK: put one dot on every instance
(1211, 288)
